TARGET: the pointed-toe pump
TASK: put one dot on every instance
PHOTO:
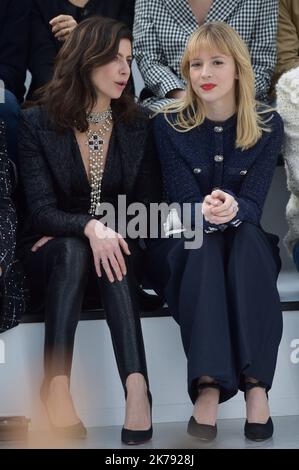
(257, 431)
(73, 431)
(204, 432)
(135, 437)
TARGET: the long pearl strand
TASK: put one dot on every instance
(95, 142)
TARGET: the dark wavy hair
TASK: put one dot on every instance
(70, 94)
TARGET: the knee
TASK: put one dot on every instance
(248, 230)
(74, 254)
(212, 241)
(252, 240)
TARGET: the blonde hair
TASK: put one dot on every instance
(190, 109)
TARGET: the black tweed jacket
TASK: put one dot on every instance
(45, 164)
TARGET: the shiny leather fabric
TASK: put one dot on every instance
(60, 271)
(123, 318)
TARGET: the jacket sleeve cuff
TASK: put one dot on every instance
(208, 227)
(171, 83)
(239, 217)
(82, 222)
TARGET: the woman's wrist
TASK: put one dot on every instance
(90, 227)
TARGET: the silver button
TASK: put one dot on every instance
(197, 170)
(218, 129)
(218, 158)
(243, 172)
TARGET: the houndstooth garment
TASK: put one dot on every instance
(162, 29)
(12, 289)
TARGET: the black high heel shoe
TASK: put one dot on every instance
(73, 431)
(204, 432)
(135, 437)
(257, 431)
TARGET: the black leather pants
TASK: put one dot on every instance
(63, 265)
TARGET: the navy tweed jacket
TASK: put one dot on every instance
(195, 162)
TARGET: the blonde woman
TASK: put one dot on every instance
(219, 147)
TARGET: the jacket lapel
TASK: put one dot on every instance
(58, 154)
(221, 11)
(182, 13)
(131, 153)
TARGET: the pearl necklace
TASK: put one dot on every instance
(95, 141)
(99, 117)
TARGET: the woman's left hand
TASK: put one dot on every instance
(62, 26)
(226, 209)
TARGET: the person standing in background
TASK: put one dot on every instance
(14, 36)
(53, 21)
(287, 38)
(286, 79)
(162, 29)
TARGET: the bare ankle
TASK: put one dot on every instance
(136, 382)
(206, 379)
(251, 380)
(59, 382)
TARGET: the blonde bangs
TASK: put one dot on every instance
(207, 42)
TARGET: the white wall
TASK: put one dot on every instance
(96, 386)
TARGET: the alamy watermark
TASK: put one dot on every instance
(155, 220)
(2, 92)
(295, 353)
(2, 352)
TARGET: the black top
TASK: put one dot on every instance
(14, 37)
(44, 46)
(81, 13)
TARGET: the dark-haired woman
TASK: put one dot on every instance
(86, 144)
(53, 21)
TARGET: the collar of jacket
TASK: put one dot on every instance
(58, 152)
(181, 11)
(227, 124)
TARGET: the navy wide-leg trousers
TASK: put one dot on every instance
(224, 297)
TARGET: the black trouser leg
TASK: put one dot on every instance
(256, 318)
(65, 264)
(123, 318)
(60, 270)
